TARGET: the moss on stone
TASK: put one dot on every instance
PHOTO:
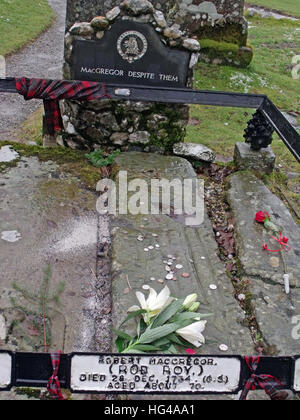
(231, 33)
(29, 392)
(226, 53)
(71, 161)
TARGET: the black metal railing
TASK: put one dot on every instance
(267, 119)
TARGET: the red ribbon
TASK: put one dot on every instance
(268, 383)
(53, 386)
(283, 241)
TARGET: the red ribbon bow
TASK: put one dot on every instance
(53, 386)
(268, 383)
(282, 240)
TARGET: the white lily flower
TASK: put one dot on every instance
(193, 333)
(194, 307)
(154, 304)
(190, 300)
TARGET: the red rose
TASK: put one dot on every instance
(261, 216)
(190, 351)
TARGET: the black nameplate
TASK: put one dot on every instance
(130, 53)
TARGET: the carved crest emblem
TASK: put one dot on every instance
(132, 46)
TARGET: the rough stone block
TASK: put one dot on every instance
(193, 247)
(262, 161)
(194, 151)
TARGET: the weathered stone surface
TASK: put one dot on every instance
(262, 161)
(113, 13)
(139, 137)
(119, 138)
(100, 22)
(160, 19)
(191, 44)
(194, 248)
(128, 117)
(137, 7)
(275, 310)
(173, 33)
(2, 329)
(219, 20)
(7, 154)
(56, 220)
(82, 29)
(194, 151)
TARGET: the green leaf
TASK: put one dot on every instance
(135, 351)
(122, 334)
(171, 350)
(151, 335)
(146, 347)
(133, 315)
(120, 344)
(189, 315)
(175, 339)
(141, 327)
(167, 313)
(162, 342)
(98, 159)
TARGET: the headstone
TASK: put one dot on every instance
(130, 45)
(136, 56)
(220, 20)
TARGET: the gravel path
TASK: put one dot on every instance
(42, 58)
(267, 13)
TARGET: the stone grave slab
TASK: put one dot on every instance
(194, 249)
(275, 309)
(51, 220)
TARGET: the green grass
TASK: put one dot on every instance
(21, 21)
(291, 7)
(275, 43)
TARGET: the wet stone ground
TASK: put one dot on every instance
(50, 270)
(66, 267)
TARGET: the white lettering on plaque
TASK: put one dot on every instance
(297, 376)
(5, 370)
(155, 374)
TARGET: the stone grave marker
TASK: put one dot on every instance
(131, 45)
(130, 53)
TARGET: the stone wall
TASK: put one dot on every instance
(85, 10)
(221, 20)
(125, 125)
(219, 25)
(218, 19)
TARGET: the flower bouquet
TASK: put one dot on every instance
(162, 323)
(276, 234)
